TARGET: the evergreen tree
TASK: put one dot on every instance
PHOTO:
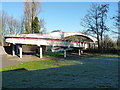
(35, 25)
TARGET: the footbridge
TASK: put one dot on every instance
(40, 40)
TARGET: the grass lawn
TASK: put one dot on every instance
(90, 72)
(44, 64)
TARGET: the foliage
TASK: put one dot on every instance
(35, 25)
(27, 30)
(104, 51)
(31, 10)
(56, 31)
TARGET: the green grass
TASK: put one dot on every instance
(44, 64)
(51, 54)
(90, 72)
(108, 55)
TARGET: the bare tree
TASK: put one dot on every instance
(91, 21)
(27, 13)
(117, 24)
(117, 18)
(9, 25)
(42, 25)
(22, 24)
(94, 21)
(14, 26)
(108, 42)
(103, 16)
(3, 19)
(31, 9)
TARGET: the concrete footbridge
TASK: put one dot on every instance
(45, 40)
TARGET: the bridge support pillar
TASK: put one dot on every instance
(52, 48)
(41, 56)
(94, 46)
(64, 53)
(20, 49)
(16, 49)
(79, 51)
(13, 49)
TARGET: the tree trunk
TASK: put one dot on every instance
(2, 37)
(101, 45)
(98, 41)
(1, 40)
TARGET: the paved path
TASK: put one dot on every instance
(8, 60)
(2, 51)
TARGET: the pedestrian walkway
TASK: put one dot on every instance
(2, 51)
(8, 60)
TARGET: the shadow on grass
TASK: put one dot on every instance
(20, 69)
(87, 75)
(60, 55)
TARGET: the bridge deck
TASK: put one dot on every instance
(19, 41)
(44, 41)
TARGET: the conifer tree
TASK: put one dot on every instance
(35, 25)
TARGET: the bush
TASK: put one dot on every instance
(104, 51)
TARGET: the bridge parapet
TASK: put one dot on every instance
(46, 42)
